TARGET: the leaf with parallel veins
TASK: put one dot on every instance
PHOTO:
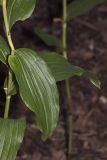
(19, 10)
(62, 69)
(11, 137)
(37, 88)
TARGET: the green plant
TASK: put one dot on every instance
(70, 11)
(34, 77)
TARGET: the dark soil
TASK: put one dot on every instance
(87, 47)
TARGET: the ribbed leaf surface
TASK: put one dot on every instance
(62, 69)
(37, 88)
(11, 136)
(4, 50)
(19, 10)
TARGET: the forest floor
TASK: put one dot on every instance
(87, 47)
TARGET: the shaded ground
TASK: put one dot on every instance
(87, 40)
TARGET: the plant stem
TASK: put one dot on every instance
(8, 34)
(69, 109)
(7, 106)
(64, 29)
(8, 97)
(70, 139)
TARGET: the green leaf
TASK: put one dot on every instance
(79, 7)
(19, 10)
(62, 69)
(37, 88)
(11, 136)
(93, 78)
(48, 39)
(4, 53)
(4, 50)
(10, 89)
(0, 2)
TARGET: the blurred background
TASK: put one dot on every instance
(87, 47)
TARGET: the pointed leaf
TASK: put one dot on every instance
(79, 7)
(4, 50)
(19, 10)
(11, 136)
(93, 78)
(48, 39)
(37, 88)
(62, 69)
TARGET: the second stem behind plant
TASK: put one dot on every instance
(69, 102)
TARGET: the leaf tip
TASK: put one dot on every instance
(96, 83)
